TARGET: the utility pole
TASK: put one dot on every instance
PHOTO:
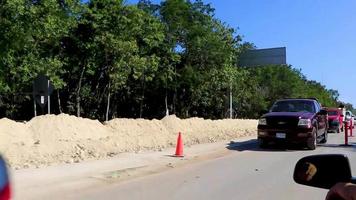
(230, 100)
(231, 90)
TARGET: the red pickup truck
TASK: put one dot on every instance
(335, 119)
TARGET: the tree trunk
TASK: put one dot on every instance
(166, 96)
(175, 90)
(78, 91)
(59, 102)
(114, 112)
(108, 104)
(142, 96)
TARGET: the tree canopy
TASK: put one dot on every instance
(110, 59)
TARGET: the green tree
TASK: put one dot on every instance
(30, 44)
(120, 47)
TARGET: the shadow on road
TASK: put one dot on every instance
(252, 145)
(351, 145)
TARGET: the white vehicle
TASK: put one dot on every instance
(349, 117)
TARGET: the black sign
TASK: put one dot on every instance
(261, 57)
(42, 88)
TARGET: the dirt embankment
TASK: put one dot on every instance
(53, 139)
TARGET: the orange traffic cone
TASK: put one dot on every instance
(179, 147)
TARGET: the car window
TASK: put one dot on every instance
(293, 106)
(317, 106)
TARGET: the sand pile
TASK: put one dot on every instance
(15, 140)
(199, 130)
(14, 133)
(51, 139)
(140, 134)
(66, 127)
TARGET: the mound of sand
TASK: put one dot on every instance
(199, 130)
(66, 127)
(52, 139)
(138, 134)
(14, 133)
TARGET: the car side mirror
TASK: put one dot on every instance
(322, 171)
(323, 112)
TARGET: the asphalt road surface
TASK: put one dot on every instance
(247, 172)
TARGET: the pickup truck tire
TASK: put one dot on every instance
(311, 143)
(262, 143)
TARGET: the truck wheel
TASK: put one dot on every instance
(311, 143)
(262, 143)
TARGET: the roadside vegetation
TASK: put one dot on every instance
(107, 59)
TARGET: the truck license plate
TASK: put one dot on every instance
(280, 135)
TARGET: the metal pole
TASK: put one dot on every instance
(49, 99)
(34, 106)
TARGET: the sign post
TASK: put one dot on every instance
(34, 107)
(42, 90)
(261, 57)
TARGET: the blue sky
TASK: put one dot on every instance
(320, 35)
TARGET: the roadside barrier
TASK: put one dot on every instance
(346, 127)
(179, 147)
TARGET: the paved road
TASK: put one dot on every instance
(246, 173)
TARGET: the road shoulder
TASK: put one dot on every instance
(68, 178)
